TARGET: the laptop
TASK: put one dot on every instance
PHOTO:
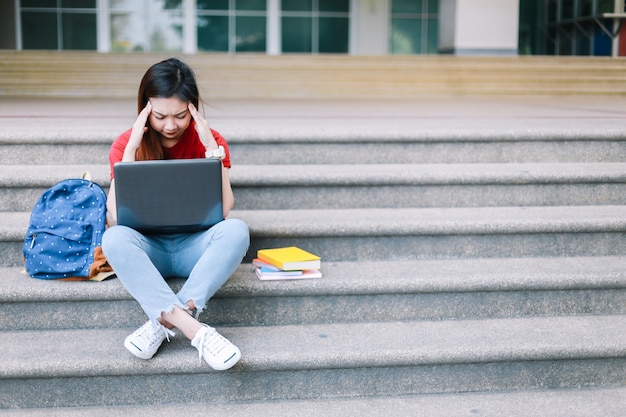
(169, 196)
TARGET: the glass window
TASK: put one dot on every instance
(213, 33)
(601, 42)
(552, 9)
(585, 8)
(315, 26)
(77, 33)
(297, 34)
(58, 24)
(39, 3)
(566, 40)
(338, 6)
(567, 9)
(414, 27)
(333, 35)
(149, 26)
(605, 6)
(551, 41)
(406, 36)
(78, 4)
(406, 6)
(45, 37)
(570, 27)
(583, 43)
(256, 5)
(232, 25)
(250, 34)
(212, 4)
(433, 36)
(296, 5)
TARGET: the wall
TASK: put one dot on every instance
(479, 27)
(370, 27)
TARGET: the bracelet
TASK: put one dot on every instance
(218, 153)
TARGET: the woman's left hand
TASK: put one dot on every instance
(204, 131)
(203, 128)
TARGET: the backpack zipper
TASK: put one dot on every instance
(32, 242)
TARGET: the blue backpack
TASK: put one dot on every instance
(66, 226)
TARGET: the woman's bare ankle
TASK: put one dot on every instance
(183, 321)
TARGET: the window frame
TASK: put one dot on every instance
(58, 11)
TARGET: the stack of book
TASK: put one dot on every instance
(286, 263)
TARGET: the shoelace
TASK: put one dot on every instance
(168, 332)
(152, 332)
(212, 341)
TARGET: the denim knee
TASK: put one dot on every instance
(115, 238)
(237, 231)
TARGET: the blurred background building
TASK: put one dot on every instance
(350, 27)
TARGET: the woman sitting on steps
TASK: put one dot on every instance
(169, 126)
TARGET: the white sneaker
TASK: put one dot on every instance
(216, 350)
(146, 340)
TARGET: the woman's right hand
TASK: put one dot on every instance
(136, 134)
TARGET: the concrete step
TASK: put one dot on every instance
(414, 300)
(349, 292)
(441, 147)
(272, 187)
(92, 74)
(598, 402)
(398, 234)
(422, 142)
(418, 233)
(22, 185)
(71, 368)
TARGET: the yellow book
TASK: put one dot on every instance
(290, 258)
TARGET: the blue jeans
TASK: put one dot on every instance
(206, 258)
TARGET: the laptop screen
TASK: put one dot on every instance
(169, 196)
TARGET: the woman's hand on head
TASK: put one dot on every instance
(203, 128)
(139, 128)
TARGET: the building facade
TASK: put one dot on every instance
(353, 27)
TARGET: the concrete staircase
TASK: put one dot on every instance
(466, 272)
(221, 76)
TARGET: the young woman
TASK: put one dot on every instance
(169, 126)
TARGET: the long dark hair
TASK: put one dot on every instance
(165, 79)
